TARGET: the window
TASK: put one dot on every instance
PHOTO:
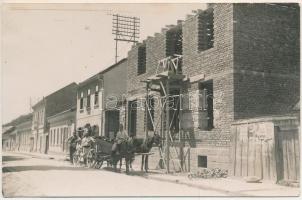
(96, 98)
(141, 64)
(66, 133)
(81, 102)
(42, 116)
(174, 41)
(50, 137)
(58, 136)
(88, 99)
(54, 137)
(206, 104)
(203, 161)
(206, 30)
(61, 136)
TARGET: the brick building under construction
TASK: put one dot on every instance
(227, 63)
(222, 88)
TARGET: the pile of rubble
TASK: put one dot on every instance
(209, 173)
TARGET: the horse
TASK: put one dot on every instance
(143, 145)
(126, 151)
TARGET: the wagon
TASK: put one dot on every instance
(100, 152)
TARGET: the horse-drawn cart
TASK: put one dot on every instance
(94, 156)
(100, 152)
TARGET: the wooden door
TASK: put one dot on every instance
(287, 155)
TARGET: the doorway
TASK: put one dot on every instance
(47, 144)
(132, 117)
(112, 121)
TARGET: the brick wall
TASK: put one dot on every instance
(217, 59)
(266, 59)
(155, 50)
(247, 61)
(215, 64)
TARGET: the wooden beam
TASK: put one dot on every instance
(167, 154)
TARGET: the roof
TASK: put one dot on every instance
(73, 109)
(7, 129)
(100, 74)
(19, 120)
(61, 100)
(114, 65)
(57, 91)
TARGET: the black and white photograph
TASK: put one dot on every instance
(150, 99)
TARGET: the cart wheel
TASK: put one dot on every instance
(100, 164)
(96, 165)
(90, 159)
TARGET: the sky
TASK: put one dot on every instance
(47, 46)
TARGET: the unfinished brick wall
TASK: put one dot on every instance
(252, 57)
(157, 48)
(216, 64)
(266, 59)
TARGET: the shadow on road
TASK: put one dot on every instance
(142, 173)
(42, 168)
(11, 158)
(131, 173)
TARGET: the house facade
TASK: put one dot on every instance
(24, 136)
(39, 126)
(90, 102)
(115, 85)
(233, 68)
(8, 138)
(98, 98)
(61, 127)
(54, 103)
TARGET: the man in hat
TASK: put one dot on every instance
(72, 140)
(121, 137)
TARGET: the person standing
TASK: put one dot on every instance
(87, 143)
(72, 140)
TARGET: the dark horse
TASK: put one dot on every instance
(144, 145)
(126, 151)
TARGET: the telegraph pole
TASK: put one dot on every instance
(125, 29)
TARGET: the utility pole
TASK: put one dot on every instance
(125, 29)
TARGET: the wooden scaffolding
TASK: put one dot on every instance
(168, 82)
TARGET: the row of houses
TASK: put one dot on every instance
(56, 116)
(239, 66)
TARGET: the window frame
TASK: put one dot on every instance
(205, 41)
(141, 60)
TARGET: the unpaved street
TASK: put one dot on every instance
(27, 176)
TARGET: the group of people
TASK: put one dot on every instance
(84, 138)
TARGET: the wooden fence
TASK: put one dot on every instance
(266, 148)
